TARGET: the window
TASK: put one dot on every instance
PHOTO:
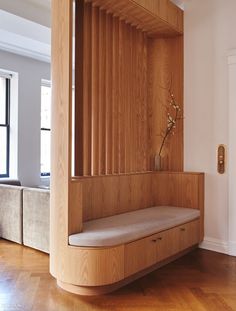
(4, 126)
(45, 127)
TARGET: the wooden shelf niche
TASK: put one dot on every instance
(126, 55)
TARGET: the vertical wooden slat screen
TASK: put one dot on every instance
(111, 102)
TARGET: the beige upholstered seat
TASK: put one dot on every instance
(11, 213)
(36, 218)
(131, 226)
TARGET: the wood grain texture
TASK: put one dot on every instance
(61, 144)
(75, 212)
(140, 254)
(156, 17)
(189, 234)
(110, 49)
(110, 195)
(91, 262)
(122, 82)
(146, 252)
(201, 280)
(111, 95)
(165, 72)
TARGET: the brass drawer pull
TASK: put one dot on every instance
(157, 239)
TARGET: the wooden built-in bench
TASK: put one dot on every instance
(130, 225)
(107, 223)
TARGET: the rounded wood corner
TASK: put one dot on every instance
(88, 290)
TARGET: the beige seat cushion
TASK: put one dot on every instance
(131, 226)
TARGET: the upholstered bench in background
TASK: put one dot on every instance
(11, 209)
(36, 218)
(24, 216)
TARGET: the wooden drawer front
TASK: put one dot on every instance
(140, 255)
(189, 234)
(167, 244)
(144, 253)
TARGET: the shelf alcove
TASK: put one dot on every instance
(128, 55)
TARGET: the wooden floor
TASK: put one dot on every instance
(202, 280)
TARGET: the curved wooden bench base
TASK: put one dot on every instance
(106, 289)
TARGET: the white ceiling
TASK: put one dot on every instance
(42, 3)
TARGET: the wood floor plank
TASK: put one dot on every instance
(200, 281)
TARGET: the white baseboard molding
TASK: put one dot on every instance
(215, 245)
(232, 248)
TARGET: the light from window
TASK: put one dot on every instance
(45, 129)
(4, 126)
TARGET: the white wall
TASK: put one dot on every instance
(209, 35)
(29, 101)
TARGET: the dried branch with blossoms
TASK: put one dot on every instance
(172, 119)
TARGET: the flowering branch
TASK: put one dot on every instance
(171, 120)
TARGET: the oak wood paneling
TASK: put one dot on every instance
(111, 95)
(165, 74)
(189, 234)
(61, 146)
(140, 254)
(156, 17)
(110, 195)
(90, 263)
(146, 252)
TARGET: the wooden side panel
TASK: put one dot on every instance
(201, 199)
(178, 189)
(107, 196)
(189, 234)
(165, 73)
(111, 195)
(61, 146)
(75, 216)
(88, 263)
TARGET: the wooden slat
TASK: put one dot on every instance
(115, 94)
(101, 93)
(108, 97)
(87, 92)
(122, 95)
(122, 99)
(95, 91)
(79, 89)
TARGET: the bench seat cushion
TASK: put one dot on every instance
(124, 228)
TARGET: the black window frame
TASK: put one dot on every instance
(7, 126)
(46, 129)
